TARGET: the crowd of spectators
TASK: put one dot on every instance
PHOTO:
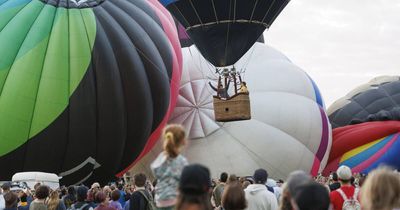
(183, 186)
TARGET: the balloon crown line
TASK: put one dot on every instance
(80, 4)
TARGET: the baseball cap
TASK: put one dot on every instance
(81, 192)
(195, 180)
(260, 176)
(344, 173)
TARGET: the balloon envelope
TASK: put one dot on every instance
(289, 129)
(85, 86)
(367, 126)
(224, 30)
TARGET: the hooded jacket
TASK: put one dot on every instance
(259, 198)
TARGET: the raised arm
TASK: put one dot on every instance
(214, 88)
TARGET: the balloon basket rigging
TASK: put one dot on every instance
(235, 108)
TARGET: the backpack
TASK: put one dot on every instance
(352, 203)
(150, 202)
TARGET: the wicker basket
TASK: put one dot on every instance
(232, 109)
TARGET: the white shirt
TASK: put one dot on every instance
(2, 202)
(259, 198)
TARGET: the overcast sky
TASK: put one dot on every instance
(342, 43)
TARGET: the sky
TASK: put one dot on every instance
(341, 44)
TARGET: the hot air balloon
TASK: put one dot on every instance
(86, 85)
(289, 129)
(367, 127)
(223, 31)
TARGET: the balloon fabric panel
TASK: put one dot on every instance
(365, 146)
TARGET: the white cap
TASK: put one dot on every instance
(344, 173)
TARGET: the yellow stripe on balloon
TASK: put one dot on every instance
(359, 150)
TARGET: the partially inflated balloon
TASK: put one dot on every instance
(224, 30)
(377, 100)
(373, 140)
(85, 85)
(289, 129)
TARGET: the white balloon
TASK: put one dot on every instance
(289, 129)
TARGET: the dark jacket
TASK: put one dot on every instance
(138, 201)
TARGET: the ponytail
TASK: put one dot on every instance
(174, 139)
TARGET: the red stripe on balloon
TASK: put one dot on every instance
(168, 25)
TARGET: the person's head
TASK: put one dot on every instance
(6, 187)
(311, 196)
(334, 176)
(81, 193)
(232, 179)
(42, 192)
(361, 180)
(260, 176)
(54, 195)
(63, 191)
(54, 200)
(280, 182)
(194, 188)
(113, 187)
(245, 184)
(381, 190)
(95, 185)
(91, 195)
(223, 177)
(71, 190)
(11, 200)
(295, 179)
(36, 186)
(140, 179)
(120, 186)
(243, 84)
(174, 139)
(115, 195)
(233, 197)
(23, 197)
(344, 174)
(101, 197)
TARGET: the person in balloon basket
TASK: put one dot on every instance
(81, 195)
(168, 166)
(243, 88)
(141, 199)
(257, 195)
(346, 197)
(222, 92)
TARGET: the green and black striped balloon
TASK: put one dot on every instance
(85, 86)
